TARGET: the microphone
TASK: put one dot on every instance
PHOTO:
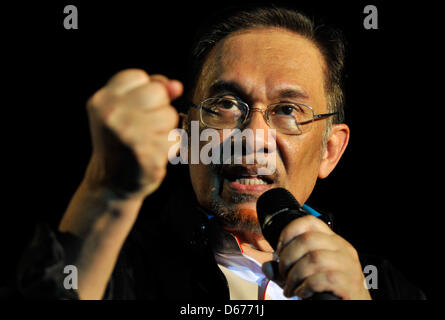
(276, 208)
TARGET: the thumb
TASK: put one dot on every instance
(174, 88)
(271, 271)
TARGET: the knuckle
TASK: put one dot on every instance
(299, 226)
(333, 277)
(159, 77)
(96, 100)
(133, 74)
(310, 219)
(291, 231)
(315, 257)
(159, 89)
(125, 80)
(126, 134)
(352, 251)
(315, 284)
(151, 95)
(307, 238)
(103, 107)
(110, 116)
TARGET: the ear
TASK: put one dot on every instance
(335, 147)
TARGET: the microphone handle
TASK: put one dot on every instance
(323, 296)
(272, 231)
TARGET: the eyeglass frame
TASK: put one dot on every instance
(315, 117)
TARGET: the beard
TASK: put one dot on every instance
(230, 216)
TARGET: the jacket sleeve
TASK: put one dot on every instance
(44, 271)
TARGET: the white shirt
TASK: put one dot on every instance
(245, 278)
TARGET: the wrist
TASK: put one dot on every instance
(110, 194)
(96, 208)
(101, 181)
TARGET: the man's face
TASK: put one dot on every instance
(261, 67)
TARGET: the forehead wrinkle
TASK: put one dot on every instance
(280, 84)
(219, 60)
(287, 91)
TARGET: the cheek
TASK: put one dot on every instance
(196, 173)
(205, 181)
(202, 183)
(301, 160)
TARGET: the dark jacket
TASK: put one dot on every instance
(167, 256)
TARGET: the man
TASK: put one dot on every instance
(261, 68)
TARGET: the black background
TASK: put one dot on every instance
(385, 192)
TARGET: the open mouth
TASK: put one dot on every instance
(246, 175)
(250, 181)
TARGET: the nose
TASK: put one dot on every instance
(263, 141)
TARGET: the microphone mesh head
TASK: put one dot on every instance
(275, 200)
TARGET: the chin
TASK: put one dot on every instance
(235, 215)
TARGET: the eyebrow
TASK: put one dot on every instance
(294, 92)
(223, 86)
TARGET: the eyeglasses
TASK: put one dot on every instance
(286, 117)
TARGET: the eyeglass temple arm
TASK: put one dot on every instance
(324, 115)
(319, 117)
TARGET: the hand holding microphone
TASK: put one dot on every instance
(313, 261)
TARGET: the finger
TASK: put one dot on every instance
(147, 97)
(159, 77)
(134, 124)
(174, 87)
(159, 143)
(300, 226)
(162, 119)
(303, 244)
(329, 281)
(312, 263)
(127, 80)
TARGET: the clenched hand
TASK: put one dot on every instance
(130, 119)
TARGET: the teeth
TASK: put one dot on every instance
(249, 182)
